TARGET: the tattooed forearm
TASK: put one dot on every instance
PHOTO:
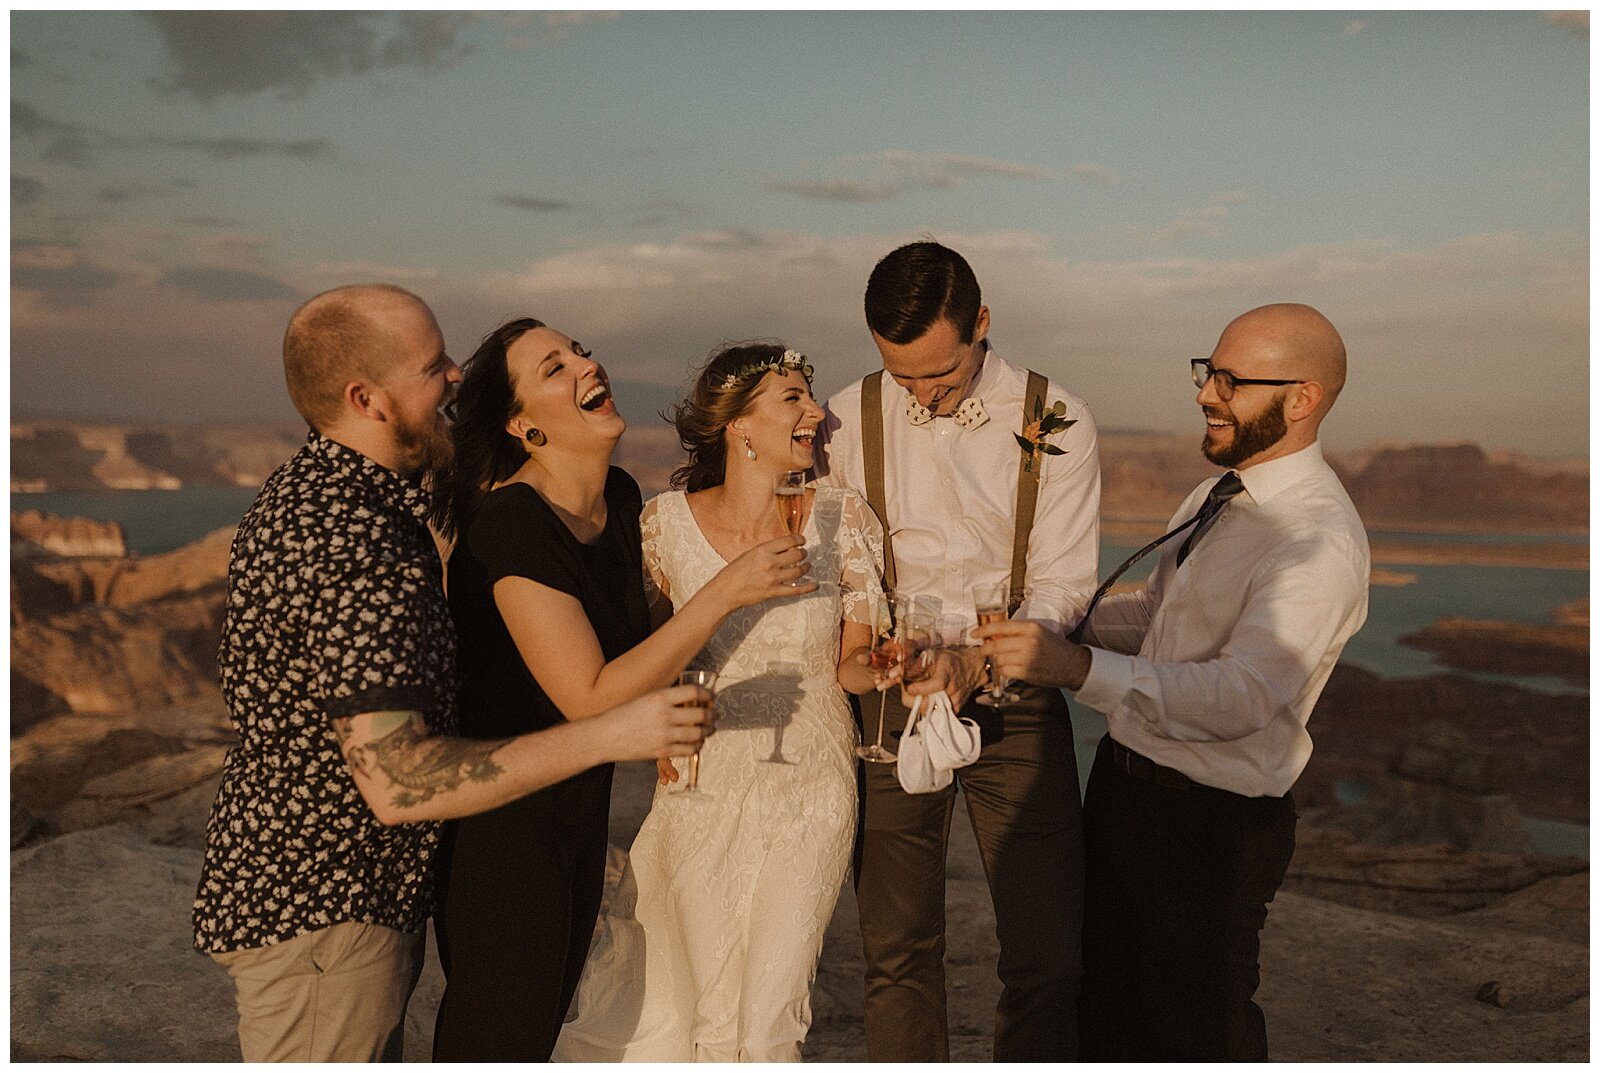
(418, 766)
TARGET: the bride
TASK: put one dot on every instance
(711, 942)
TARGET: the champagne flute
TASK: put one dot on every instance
(790, 491)
(706, 680)
(891, 616)
(992, 603)
(791, 494)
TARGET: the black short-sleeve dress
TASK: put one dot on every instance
(521, 884)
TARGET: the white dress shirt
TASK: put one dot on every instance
(952, 495)
(1234, 648)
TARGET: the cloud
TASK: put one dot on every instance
(226, 284)
(204, 221)
(57, 274)
(836, 189)
(336, 274)
(72, 144)
(1575, 23)
(894, 173)
(214, 54)
(1204, 221)
(1538, 180)
(225, 149)
(533, 204)
(1114, 331)
(1117, 332)
(25, 191)
(525, 29)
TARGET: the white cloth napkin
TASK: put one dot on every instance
(933, 747)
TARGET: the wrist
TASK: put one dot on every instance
(1078, 666)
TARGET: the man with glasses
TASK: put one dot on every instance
(1207, 676)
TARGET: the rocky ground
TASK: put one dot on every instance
(106, 854)
(1415, 925)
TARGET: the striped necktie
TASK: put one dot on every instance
(1224, 490)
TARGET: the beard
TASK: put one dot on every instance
(1250, 438)
(427, 449)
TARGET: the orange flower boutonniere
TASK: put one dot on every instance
(1045, 423)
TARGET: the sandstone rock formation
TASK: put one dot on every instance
(35, 534)
(1559, 650)
(1540, 740)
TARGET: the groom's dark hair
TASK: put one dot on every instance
(918, 284)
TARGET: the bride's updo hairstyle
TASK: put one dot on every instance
(484, 452)
(722, 392)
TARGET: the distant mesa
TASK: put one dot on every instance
(52, 456)
(1145, 475)
(1391, 579)
(37, 535)
(1559, 650)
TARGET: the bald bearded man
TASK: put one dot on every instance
(1207, 676)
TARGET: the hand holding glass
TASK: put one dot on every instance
(706, 680)
(992, 603)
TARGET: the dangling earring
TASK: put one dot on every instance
(749, 452)
(535, 437)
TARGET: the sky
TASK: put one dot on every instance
(655, 184)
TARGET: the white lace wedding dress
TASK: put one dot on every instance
(710, 944)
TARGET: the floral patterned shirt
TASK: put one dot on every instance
(335, 607)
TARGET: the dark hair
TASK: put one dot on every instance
(484, 451)
(918, 284)
(702, 417)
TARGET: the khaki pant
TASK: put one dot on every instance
(1022, 799)
(334, 995)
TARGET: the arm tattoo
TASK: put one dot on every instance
(419, 766)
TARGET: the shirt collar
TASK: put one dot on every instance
(1267, 479)
(404, 494)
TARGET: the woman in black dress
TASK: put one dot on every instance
(545, 587)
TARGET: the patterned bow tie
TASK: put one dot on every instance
(969, 415)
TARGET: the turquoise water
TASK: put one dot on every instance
(158, 521)
(1503, 593)
(153, 521)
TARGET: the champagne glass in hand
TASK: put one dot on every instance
(991, 603)
(893, 618)
(790, 491)
(791, 494)
(706, 680)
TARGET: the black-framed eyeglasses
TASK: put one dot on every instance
(1200, 369)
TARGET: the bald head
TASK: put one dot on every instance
(1294, 341)
(343, 335)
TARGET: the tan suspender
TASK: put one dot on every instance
(872, 463)
(872, 467)
(1027, 496)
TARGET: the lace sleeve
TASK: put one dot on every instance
(861, 559)
(655, 580)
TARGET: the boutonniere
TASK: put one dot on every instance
(1045, 423)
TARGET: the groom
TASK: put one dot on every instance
(931, 440)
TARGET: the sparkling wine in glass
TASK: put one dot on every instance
(900, 621)
(991, 603)
(791, 494)
(884, 658)
(706, 680)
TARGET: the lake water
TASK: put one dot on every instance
(158, 521)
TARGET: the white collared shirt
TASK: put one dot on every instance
(952, 495)
(1234, 648)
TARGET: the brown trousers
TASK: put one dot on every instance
(1022, 798)
(338, 994)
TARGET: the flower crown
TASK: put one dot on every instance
(790, 360)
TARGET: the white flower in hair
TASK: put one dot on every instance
(789, 360)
